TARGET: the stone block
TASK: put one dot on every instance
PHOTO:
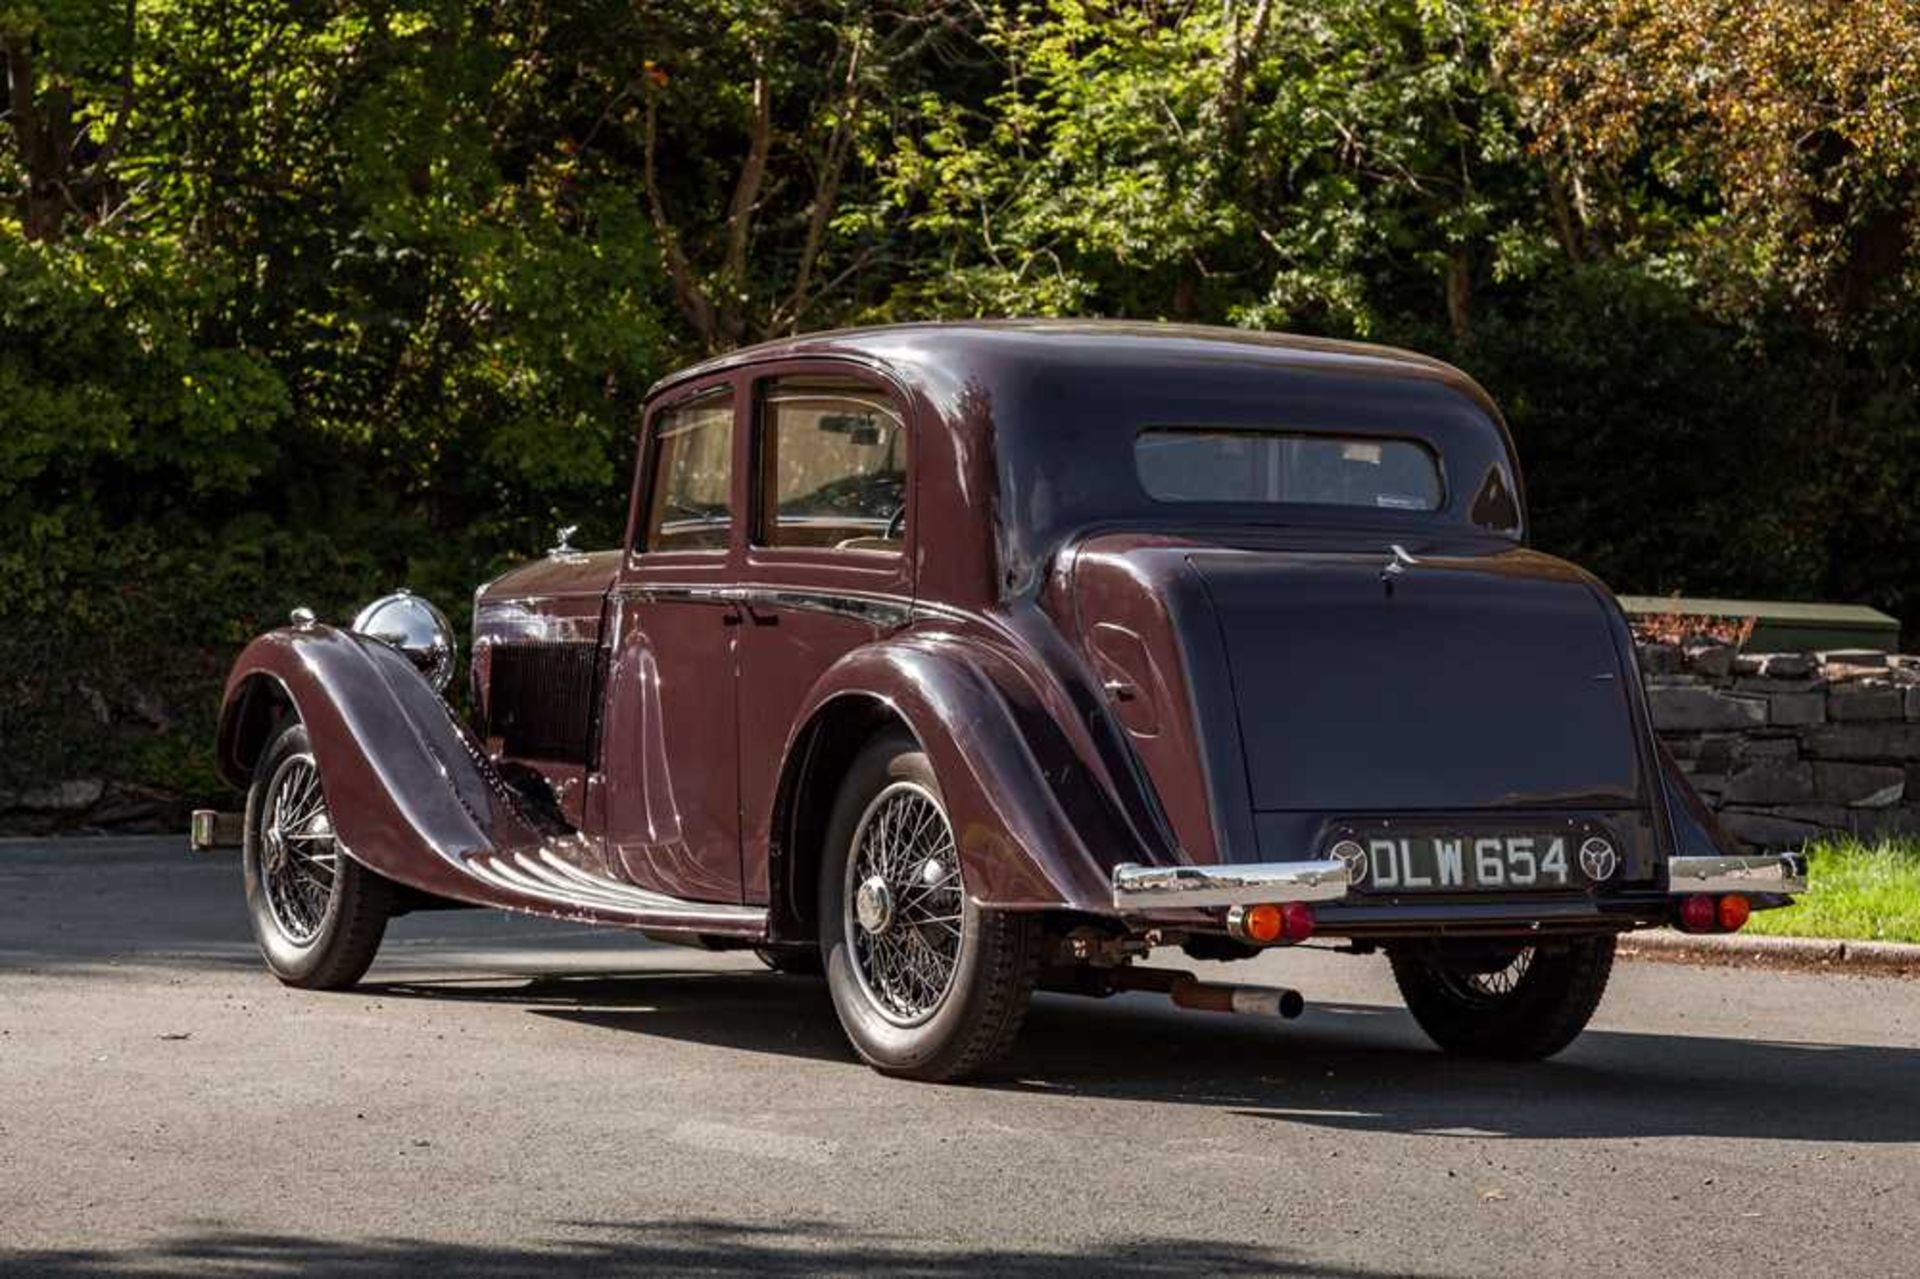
(1858, 658)
(1912, 703)
(1860, 785)
(1764, 830)
(1719, 752)
(1872, 742)
(1791, 665)
(1683, 747)
(1775, 750)
(1796, 708)
(1710, 661)
(1869, 824)
(1660, 659)
(1769, 685)
(1772, 784)
(1856, 702)
(61, 797)
(1703, 709)
(1711, 787)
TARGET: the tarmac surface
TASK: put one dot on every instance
(509, 1095)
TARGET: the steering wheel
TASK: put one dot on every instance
(897, 526)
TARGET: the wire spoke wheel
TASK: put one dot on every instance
(904, 903)
(299, 860)
(1491, 987)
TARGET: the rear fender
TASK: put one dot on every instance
(1019, 848)
(411, 793)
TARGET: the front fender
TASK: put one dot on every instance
(1032, 830)
(410, 792)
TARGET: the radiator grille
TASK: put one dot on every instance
(540, 699)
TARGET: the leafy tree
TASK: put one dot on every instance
(301, 301)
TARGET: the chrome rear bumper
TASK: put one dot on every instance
(1138, 888)
(1773, 873)
(1200, 887)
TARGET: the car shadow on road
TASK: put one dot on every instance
(1364, 1067)
(677, 1247)
(1360, 1067)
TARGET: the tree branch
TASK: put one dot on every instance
(827, 192)
(694, 302)
(746, 195)
(26, 121)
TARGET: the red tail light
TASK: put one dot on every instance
(1268, 924)
(1698, 914)
(1734, 910)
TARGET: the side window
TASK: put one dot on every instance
(832, 458)
(690, 489)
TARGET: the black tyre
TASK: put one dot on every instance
(927, 984)
(317, 914)
(1531, 1008)
(794, 961)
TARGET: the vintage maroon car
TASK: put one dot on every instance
(956, 659)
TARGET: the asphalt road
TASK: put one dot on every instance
(509, 1095)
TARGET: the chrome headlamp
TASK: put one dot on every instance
(415, 627)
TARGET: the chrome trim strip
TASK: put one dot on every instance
(1249, 884)
(641, 898)
(672, 593)
(652, 909)
(1773, 873)
(879, 610)
(876, 609)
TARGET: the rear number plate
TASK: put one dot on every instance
(1467, 863)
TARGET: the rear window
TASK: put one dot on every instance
(1196, 464)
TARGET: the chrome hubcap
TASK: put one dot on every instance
(904, 901)
(298, 855)
(873, 905)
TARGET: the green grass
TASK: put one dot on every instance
(1859, 892)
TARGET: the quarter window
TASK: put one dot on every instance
(690, 491)
(1202, 465)
(832, 466)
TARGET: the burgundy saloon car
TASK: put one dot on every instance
(956, 660)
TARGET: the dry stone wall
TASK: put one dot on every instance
(1788, 747)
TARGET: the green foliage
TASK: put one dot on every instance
(299, 302)
(1858, 892)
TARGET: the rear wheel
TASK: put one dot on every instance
(1529, 1006)
(928, 985)
(317, 914)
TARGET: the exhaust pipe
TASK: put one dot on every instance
(1188, 991)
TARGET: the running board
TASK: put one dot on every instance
(554, 886)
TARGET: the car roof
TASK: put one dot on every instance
(990, 348)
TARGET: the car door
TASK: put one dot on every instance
(668, 781)
(826, 565)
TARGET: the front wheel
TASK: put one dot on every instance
(317, 914)
(928, 985)
(1529, 1007)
